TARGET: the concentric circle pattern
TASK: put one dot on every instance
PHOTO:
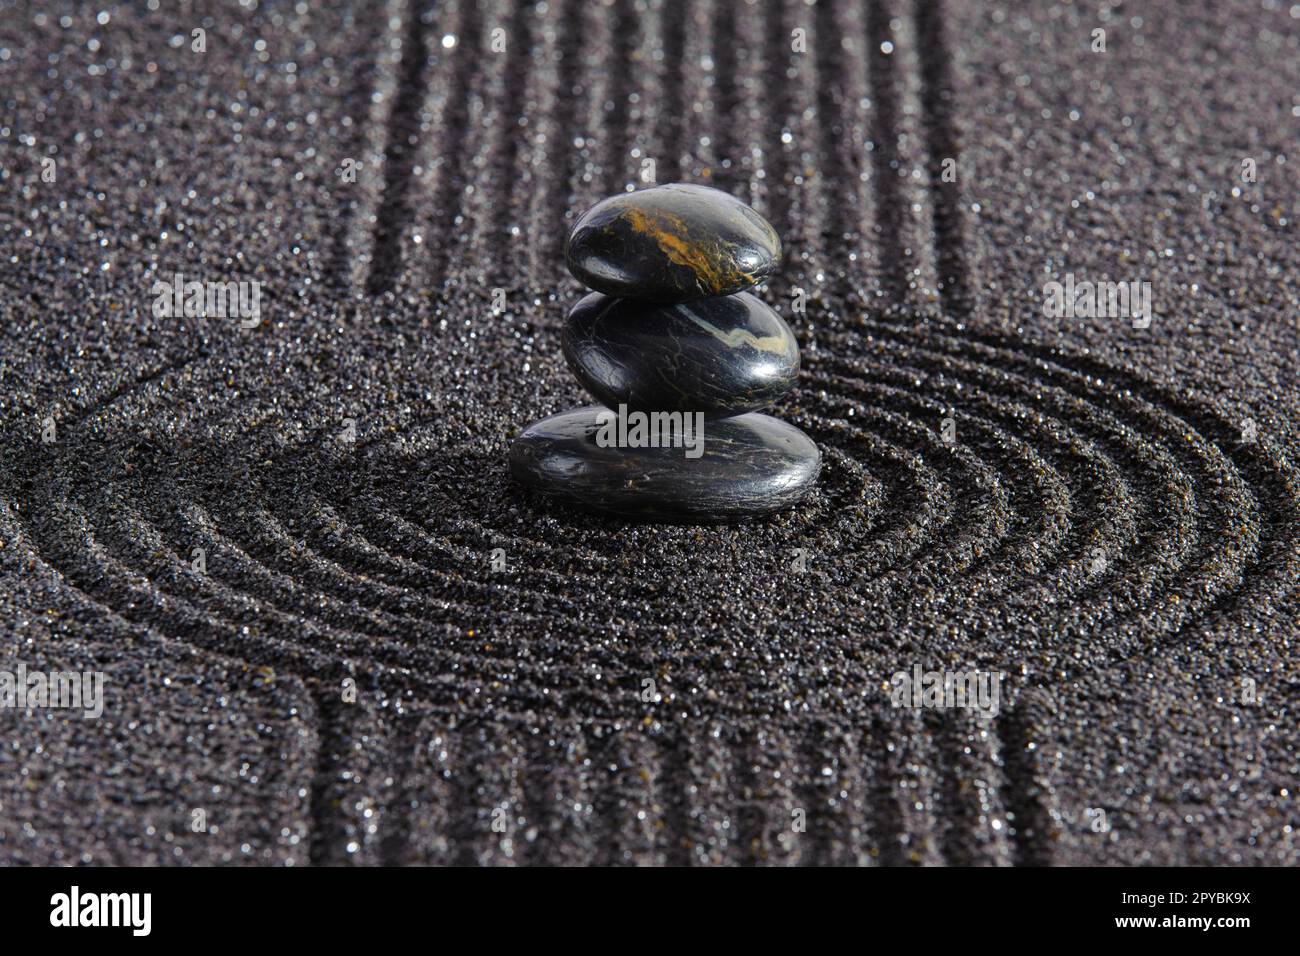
(331, 621)
(961, 470)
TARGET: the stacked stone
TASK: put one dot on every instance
(671, 329)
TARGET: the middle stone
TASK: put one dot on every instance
(722, 356)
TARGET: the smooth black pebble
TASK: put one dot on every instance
(671, 243)
(722, 356)
(752, 465)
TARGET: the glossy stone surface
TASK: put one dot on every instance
(721, 356)
(751, 465)
(671, 243)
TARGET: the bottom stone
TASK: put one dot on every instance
(750, 465)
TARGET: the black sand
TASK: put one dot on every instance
(1099, 529)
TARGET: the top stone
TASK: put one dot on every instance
(670, 244)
